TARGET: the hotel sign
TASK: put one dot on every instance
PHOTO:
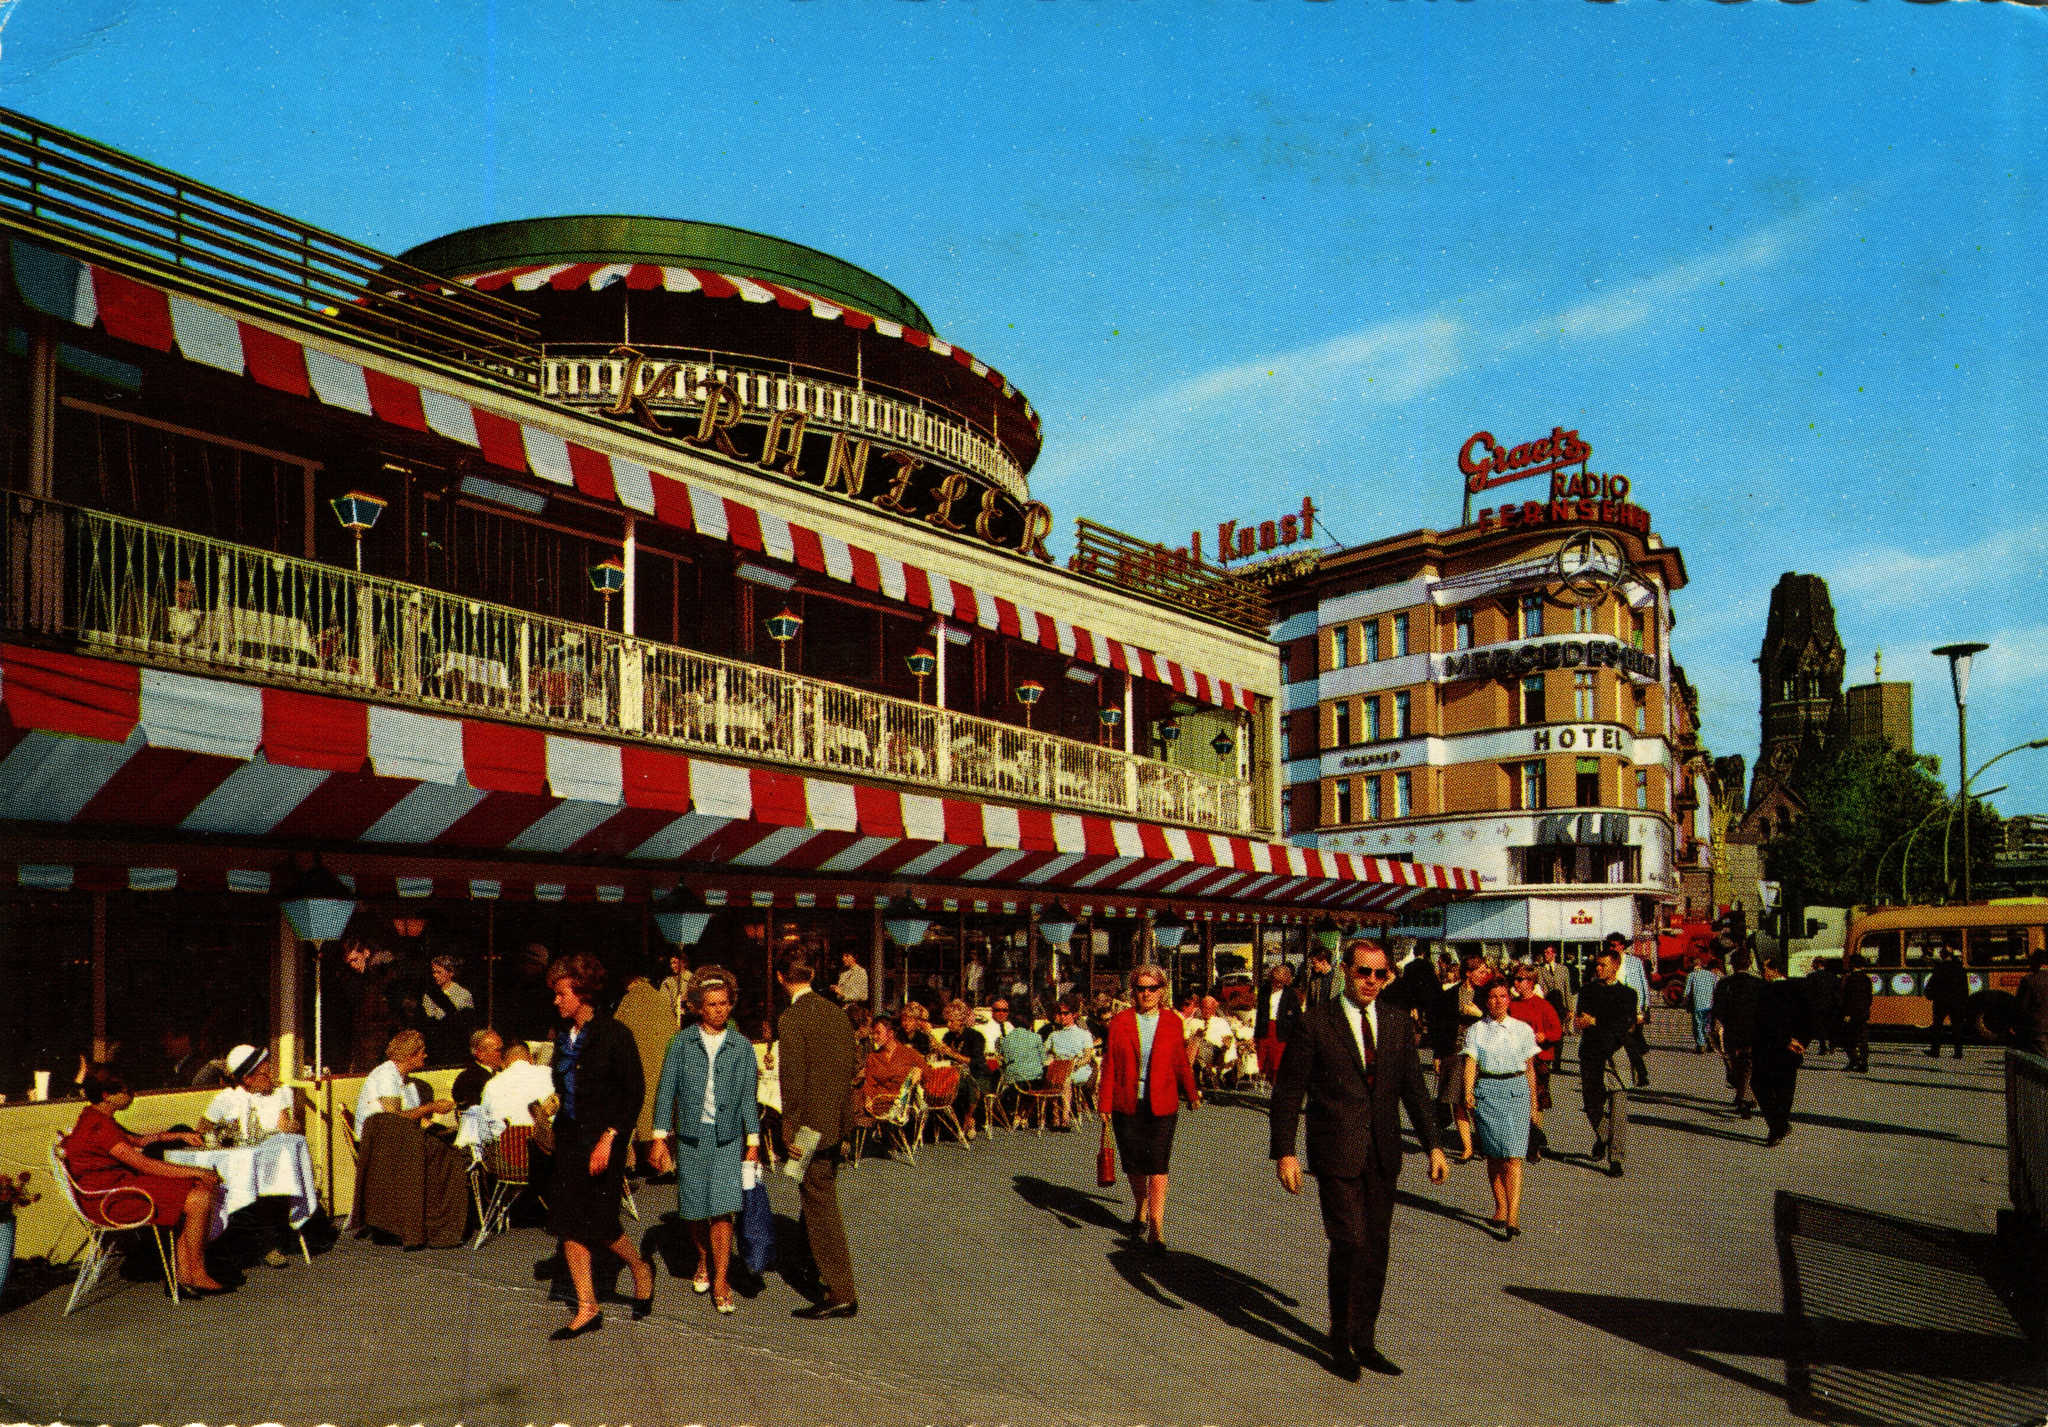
(1510, 661)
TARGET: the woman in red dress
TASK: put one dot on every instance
(115, 1176)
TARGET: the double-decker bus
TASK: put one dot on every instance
(1901, 945)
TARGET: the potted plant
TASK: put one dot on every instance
(14, 1194)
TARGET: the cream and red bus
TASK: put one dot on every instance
(1900, 946)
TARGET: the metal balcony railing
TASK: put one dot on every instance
(91, 199)
(170, 597)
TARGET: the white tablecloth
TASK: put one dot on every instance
(280, 1165)
(472, 1130)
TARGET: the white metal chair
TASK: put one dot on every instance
(102, 1254)
(895, 1123)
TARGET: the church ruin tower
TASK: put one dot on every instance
(1801, 672)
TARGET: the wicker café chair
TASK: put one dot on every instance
(935, 1103)
(120, 1210)
(1047, 1100)
(508, 1161)
(894, 1121)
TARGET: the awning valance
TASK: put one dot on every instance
(93, 747)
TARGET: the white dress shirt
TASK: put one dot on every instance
(1356, 1016)
(509, 1095)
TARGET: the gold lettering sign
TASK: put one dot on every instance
(722, 412)
(785, 438)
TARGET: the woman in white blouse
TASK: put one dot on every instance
(1500, 1093)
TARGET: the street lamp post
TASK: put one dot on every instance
(1959, 656)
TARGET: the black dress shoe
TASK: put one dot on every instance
(564, 1333)
(828, 1309)
(1379, 1362)
(1614, 1169)
(1344, 1365)
(642, 1307)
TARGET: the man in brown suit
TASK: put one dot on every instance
(818, 1059)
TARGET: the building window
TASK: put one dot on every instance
(1529, 790)
(1636, 629)
(1404, 795)
(1372, 641)
(1532, 616)
(1532, 699)
(1372, 798)
(1372, 719)
(1403, 726)
(1340, 647)
(1582, 698)
(1588, 790)
(1462, 639)
(1643, 788)
(1400, 635)
(1340, 724)
(1582, 619)
(1343, 800)
(1642, 713)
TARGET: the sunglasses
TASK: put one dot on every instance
(1149, 986)
(1373, 973)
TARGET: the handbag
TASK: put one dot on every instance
(1105, 1158)
(757, 1221)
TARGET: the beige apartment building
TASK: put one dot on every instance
(1502, 698)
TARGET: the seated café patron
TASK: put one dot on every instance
(887, 1067)
(117, 1182)
(512, 1093)
(486, 1055)
(253, 1098)
(409, 1184)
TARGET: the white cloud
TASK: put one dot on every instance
(1891, 577)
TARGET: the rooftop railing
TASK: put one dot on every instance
(169, 597)
(99, 201)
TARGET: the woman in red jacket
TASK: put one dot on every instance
(1145, 1074)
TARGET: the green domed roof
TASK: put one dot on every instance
(664, 242)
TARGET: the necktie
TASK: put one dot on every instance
(1365, 1038)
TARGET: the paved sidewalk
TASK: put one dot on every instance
(995, 1289)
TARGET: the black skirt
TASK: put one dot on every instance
(581, 1206)
(1144, 1141)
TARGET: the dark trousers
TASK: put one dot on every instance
(1952, 1013)
(1741, 1061)
(1776, 1078)
(1604, 1096)
(1638, 1047)
(824, 1230)
(1358, 1216)
(1855, 1038)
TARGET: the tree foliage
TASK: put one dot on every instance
(1873, 813)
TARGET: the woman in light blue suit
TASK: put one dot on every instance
(704, 1108)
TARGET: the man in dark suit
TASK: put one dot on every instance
(1323, 983)
(1855, 1008)
(1279, 1012)
(1354, 1066)
(818, 1058)
(1948, 987)
(1784, 1021)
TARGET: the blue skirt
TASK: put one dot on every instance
(1500, 1117)
(708, 1176)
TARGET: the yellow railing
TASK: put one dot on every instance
(172, 597)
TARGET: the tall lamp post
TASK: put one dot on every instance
(358, 511)
(318, 904)
(1959, 656)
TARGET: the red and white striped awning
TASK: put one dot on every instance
(161, 320)
(96, 743)
(106, 877)
(647, 277)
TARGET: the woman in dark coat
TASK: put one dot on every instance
(598, 1076)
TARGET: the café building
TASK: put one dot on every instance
(610, 584)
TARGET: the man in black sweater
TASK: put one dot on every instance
(1606, 1018)
(1783, 1026)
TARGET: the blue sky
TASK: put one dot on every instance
(1778, 264)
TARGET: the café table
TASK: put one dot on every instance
(278, 1164)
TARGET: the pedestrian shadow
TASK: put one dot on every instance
(1931, 1085)
(1881, 1127)
(1445, 1211)
(1072, 1207)
(1241, 1099)
(1233, 1298)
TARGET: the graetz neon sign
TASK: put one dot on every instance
(1495, 467)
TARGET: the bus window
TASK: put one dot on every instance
(1923, 945)
(2002, 947)
(1880, 949)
